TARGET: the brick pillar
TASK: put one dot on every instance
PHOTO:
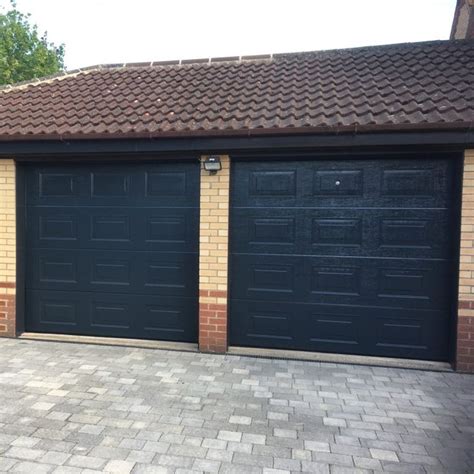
(465, 329)
(213, 258)
(7, 248)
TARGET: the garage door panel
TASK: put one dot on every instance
(81, 227)
(417, 183)
(414, 234)
(268, 278)
(169, 274)
(172, 230)
(54, 312)
(339, 328)
(417, 335)
(112, 250)
(139, 185)
(380, 331)
(378, 282)
(346, 232)
(262, 231)
(112, 271)
(337, 281)
(112, 314)
(377, 233)
(56, 185)
(297, 326)
(118, 228)
(351, 256)
(352, 281)
(53, 268)
(266, 324)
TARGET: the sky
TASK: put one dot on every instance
(119, 31)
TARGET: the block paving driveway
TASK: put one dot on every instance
(77, 408)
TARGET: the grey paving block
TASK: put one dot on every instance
(6, 463)
(331, 458)
(419, 459)
(287, 464)
(240, 447)
(234, 468)
(219, 455)
(367, 463)
(183, 450)
(29, 467)
(149, 469)
(173, 461)
(107, 452)
(25, 442)
(384, 455)
(140, 457)
(24, 453)
(301, 455)
(86, 462)
(68, 470)
(319, 446)
(119, 467)
(54, 457)
(348, 470)
(315, 467)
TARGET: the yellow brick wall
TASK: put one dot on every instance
(7, 247)
(7, 222)
(465, 329)
(213, 258)
(466, 270)
(214, 228)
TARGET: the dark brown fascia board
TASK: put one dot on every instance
(200, 145)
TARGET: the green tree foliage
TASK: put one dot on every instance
(24, 54)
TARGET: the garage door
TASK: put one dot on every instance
(345, 256)
(112, 250)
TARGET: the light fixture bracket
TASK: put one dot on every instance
(212, 163)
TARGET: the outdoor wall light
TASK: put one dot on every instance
(212, 164)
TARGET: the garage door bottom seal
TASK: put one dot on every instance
(111, 341)
(341, 358)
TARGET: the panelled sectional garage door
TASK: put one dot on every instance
(346, 256)
(112, 250)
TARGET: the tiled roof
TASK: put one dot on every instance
(395, 87)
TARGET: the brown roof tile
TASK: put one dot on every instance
(410, 86)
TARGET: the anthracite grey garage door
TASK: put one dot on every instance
(346, 256)
(112, 250)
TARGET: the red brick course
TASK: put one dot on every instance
(465, 339)
(7, 315)
(213, 323)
